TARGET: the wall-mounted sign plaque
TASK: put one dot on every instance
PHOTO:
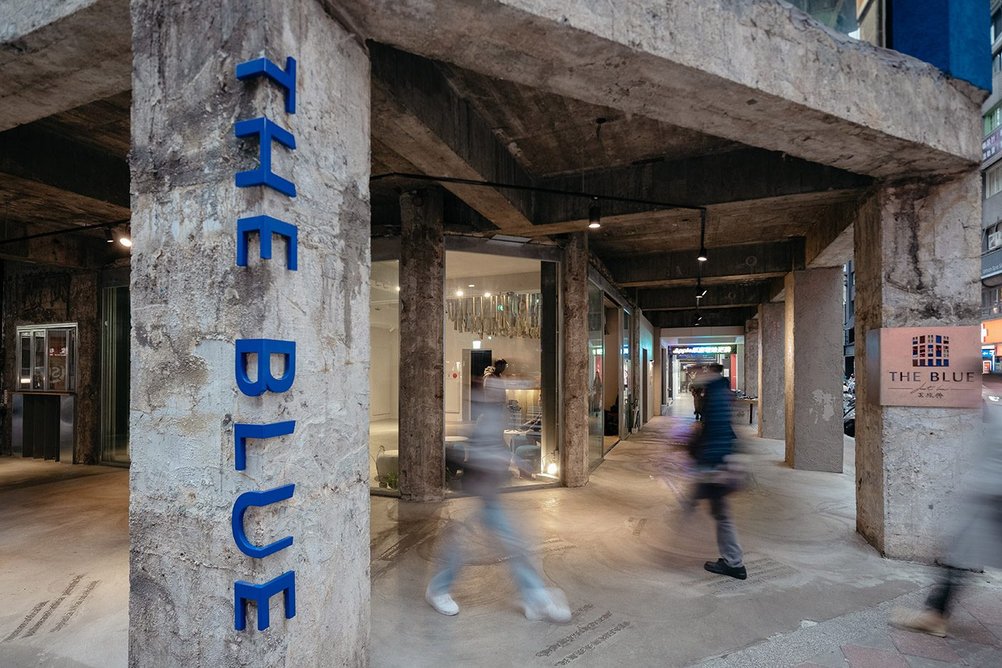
(934, 367)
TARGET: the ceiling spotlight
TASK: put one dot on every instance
(594, 215)
(472, 285)
(487, 294)
(459, 293)
(125, 241)
(398, 288)
(108, 236)
(702, 255)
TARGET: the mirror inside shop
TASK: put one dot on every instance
(499, 350)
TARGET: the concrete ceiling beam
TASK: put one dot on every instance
(727, 264)
(60, 55)
(717, 296)
(69, 251)
(797, 89)
(418, 115)
(60, 164)
(723, 178)
(729, 317)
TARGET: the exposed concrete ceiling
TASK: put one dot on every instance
(552, 135)
(440, 120)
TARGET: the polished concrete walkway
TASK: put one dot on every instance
(629, 561)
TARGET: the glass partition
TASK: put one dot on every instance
(626, 421)
(384, 375)
(115, 375)
(596, 356)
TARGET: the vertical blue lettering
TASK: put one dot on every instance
(258, 499)
(266, 131)
(284, 78)
(264, 349)
(241, 432)
(266, 226)
(244, 592)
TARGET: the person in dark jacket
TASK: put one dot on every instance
(715, 445)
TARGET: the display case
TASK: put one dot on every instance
(43, 404)
(47, 358)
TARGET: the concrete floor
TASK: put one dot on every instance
(628, 560)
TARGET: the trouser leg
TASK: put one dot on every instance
(727, 536)
(945, 592)
(529, 583)
(451, 560)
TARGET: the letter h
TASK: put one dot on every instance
(266, 131)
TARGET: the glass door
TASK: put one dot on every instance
(115, 374)
(596, 360)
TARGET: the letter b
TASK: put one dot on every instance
(264, 349)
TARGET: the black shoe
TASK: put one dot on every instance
(721, 568)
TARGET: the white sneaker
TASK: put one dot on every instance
(553, 608)
(442, 603)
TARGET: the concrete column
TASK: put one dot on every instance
(422, 299)
(753, 345)
(196, 404)
(574, 381)
(772, 371)
(814, 366)
(917, 258)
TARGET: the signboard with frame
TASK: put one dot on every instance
(931, 367)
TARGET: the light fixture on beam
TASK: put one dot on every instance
(702, 257)
(594, 215)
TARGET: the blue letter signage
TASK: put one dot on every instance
(265, 227)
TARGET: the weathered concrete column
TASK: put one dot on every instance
(422, 369)
(249, 367)
(574, 382)
(917, 258)
(814, 366)
(753, 345)
(772, 371)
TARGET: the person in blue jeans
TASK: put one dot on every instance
(484, 470)
(715, 445)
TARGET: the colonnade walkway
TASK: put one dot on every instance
(631, 564)
(620, 548)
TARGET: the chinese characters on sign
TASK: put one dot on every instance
(935, 367)
(258, 353)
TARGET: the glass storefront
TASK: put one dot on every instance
(500, 331)
(384, 374)
(628, 415)
(596, 360)
(500, 321)
(115, 374)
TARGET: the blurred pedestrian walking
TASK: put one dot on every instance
(716, 476)
(976, 539)
(485, 468)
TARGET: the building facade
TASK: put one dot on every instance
(344, 216)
